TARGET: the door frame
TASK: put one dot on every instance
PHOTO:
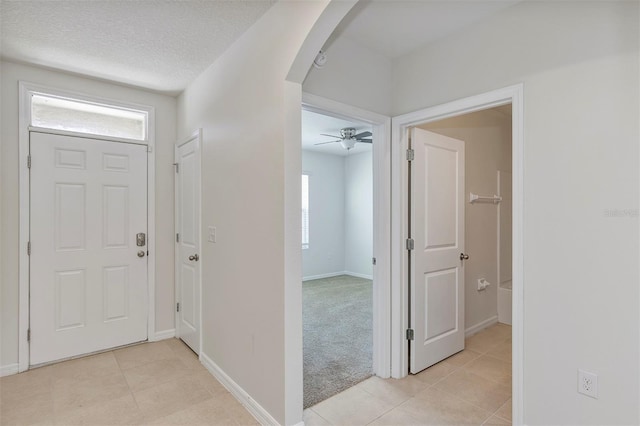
(381, 219)
(26, 89)
(399, 263)
(197, 135)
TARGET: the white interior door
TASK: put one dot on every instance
(88, 278)
(188, 243)
(437, 227)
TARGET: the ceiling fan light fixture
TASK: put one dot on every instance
(347, 133)
(348, 143)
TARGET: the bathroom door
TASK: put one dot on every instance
(437, 260)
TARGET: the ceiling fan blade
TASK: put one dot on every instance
(363, 135)
(365, 140)
(324, 143)
(331, 136)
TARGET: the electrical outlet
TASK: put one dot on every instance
(212, 234)
(588, 383)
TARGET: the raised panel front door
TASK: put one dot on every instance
(88, 278)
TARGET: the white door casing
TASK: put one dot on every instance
(88, 278)
(188, 249)
(437, 228)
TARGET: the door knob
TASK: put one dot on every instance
(464, 256)
(141, 253)
(194, 257)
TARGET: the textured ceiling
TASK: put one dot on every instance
(155, 44)
(164, 44)
(313, 124)
(396, 27)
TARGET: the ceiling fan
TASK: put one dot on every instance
(348, 138)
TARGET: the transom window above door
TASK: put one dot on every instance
(80, 116)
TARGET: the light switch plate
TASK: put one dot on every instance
(212, 234)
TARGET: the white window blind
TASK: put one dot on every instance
(305, 211)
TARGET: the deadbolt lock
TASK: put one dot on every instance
(141, 239)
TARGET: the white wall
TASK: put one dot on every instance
(325, 254)
(358, 241)
(354, 75)
(579, 65)
(341, 215)
(249, 116)
(487, 137)
(165, 107)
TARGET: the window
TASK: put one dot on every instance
(72, 115)
(305, 211)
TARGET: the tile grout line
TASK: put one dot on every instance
(393, 407)
(505, 403)
(446, 375)
(471, 403)
(467, 402)
(496, 358)
(319, 415)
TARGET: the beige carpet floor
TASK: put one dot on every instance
(338, 335)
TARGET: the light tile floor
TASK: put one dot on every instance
(163, 383)
(160, 383)
(472, 387)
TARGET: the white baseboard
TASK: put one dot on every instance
(337, 274)
(162, 335)
(317, 277)
(357, 275)
(240, 394)
(8, 370)
(480, 326)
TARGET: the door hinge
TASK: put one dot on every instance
(28, 335)
(28, 161)
(178, 307)
(411, 155)
(177, 238)
(29, 248)
(177, 167)
(373, 260)
(410, 243)
(410, 333)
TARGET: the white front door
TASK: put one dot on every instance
(88, 277)
(188, 242)
(437, 227)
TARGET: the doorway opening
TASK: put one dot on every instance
(492, 194)
(460, 288)
(337, 252)
(345, 280)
